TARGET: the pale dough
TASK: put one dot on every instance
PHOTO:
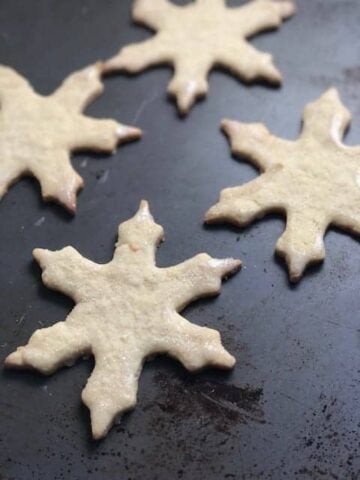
(125, 312)
(37, 133)
(197, 37)
(314, 180)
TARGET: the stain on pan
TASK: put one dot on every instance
(224, 404)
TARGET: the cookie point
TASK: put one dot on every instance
(100, 419)
(332, 93)
(235, 264)
(212, 215)
(144, 206)
(71, 207)
(183, 107)
(224, 123)
(14, 360)
(288, 8)
(274, 75)
(67, 195)
(70, 200)
(225, 360)
(230, 361)
(184, 98)
(228, 266)
(292, 7)
(296, 268)
(38, 253)
(103, 416)
(93, 71)
(229, 126)
(128, 133)
(144, 209)
(98, 433)
(114, 63)
(295, 277)
(99, 66)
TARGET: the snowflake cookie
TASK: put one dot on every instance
(126, 311)
(314, 180)
(199, 36)
(37, 133)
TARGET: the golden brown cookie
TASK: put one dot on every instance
(126, 311)
(37, 133)
(314, 181)
(199, 36)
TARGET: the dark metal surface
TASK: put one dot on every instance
(290, 410)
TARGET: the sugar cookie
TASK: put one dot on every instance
(314, 180)
(37, 133)
(199, 36)
(126, 311)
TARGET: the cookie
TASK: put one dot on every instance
(197, 37)
(314, 181)
(126, 311)
(37, 133)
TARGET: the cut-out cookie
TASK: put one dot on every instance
(314, 180)
(126, 311)
(199, 36)
(37, 133)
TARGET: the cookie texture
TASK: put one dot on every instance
(126, 311)
(197, 37)
(314, 181)
(37, 133)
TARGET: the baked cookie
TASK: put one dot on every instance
(199, 36)
(126, 311)
(37, 133)
(313, 180)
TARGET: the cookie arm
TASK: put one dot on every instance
(50, 348)
(139, 237)
(11, 82)
(80, 88)
(242, 205)
(196, 278)
(101, 135)
(112, 387)
(190, 80)
(247, 63)
(139, 56)
(152, 13)
(302, 243)
(326, 119)
(58, 179)
(260, 15)
(256, 144)
(66, 270)
(195, 347)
